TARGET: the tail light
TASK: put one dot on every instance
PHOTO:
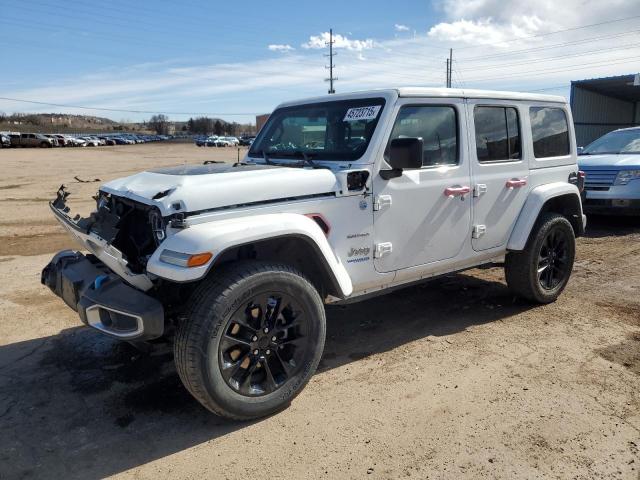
(578, 179)
(582, 176)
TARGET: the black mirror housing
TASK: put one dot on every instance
(406, 153)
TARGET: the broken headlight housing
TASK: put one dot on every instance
(158, 226)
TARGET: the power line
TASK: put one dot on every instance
(559, 70)
(125, 110)
(607, 22)
(510, 53)
(557, 57)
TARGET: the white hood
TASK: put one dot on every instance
(204, 187)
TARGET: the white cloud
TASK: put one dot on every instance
(339, 41)
(401, 28)
(483, 31)
(491, 21)
(278, 47)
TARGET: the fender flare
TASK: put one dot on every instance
(534, 204)
(219, 236)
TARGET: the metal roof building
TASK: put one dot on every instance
(600, 105)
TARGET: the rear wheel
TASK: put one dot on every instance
(541, 271)
(252, 339)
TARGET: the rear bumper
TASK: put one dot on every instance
(102, 299)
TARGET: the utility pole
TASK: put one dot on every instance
(449, 68)
(331, 65)
(446, 82)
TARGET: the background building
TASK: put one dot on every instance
(600, 105)
(260, 121)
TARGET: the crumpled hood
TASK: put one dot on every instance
(204, 187)
(609, 161)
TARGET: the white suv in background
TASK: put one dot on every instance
(339, 198)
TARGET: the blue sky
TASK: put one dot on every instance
(236, 60)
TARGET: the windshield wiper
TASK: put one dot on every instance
(306, 157)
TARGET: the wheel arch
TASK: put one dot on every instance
(296, 250)
(561, 198)
(288, 238)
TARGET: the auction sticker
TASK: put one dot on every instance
(362, 113)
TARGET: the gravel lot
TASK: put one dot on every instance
(451, 379)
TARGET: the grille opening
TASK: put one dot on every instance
(140, 229)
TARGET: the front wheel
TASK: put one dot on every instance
(252, 339)
(541, 271)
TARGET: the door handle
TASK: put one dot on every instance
(456, 191)
(516, 183)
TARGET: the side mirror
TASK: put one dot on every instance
(580, 150)
(404, 153)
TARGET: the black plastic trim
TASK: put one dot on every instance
(72, 276)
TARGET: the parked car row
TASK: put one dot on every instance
(49, 140)
(219, 141)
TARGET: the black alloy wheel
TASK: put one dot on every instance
(264, 344)
(553, 260)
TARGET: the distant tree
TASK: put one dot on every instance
(200, 125)
(160, 124)
(218, 128)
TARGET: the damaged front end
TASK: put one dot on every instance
(109, 288)
(122, 233)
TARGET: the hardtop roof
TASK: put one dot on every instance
(430, 92)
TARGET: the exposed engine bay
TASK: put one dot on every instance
(135, 229)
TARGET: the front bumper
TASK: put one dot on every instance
(612, 199)
(611, 206)
(102, 299)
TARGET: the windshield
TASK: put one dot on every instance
(622, 141)
(339, 130)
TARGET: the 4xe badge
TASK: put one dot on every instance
(361, 254)
(357, 252)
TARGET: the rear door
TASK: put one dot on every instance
(499, 170)
(416, 222)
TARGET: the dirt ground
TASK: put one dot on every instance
(451, 379)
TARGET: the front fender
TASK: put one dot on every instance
(532, 208)
(218, 236)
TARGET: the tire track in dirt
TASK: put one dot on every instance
(35, 244)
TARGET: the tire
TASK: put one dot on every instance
(45, 145)
(235, 360)
(541, 271)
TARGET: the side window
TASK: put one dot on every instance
(497, 134)
(438, 128)
(550, 132)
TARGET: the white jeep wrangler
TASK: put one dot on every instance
(339, 198)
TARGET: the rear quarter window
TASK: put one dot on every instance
(550, 132)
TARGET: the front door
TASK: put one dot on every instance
(424, 215)
(500, 171)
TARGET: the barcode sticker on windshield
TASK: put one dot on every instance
(362, 113)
